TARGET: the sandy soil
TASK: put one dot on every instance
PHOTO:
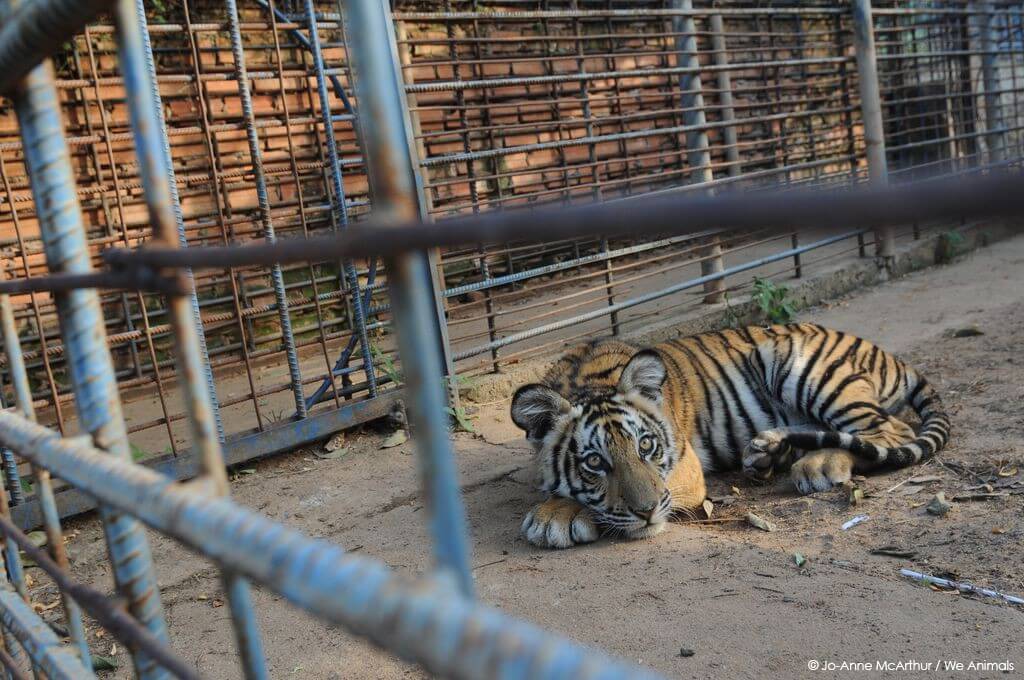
(728, 592)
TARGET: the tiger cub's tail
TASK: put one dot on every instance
(931, 439)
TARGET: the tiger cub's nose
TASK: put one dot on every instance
(645, 513)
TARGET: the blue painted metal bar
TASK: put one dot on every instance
(29, 33)
(429, 621)
(46, 651)
(339, 91)
(154, 162)
(12, 479)
(179, 219)
(82, 328)
(387, 147)
(266, 222)
(44, 486)
(338, 200)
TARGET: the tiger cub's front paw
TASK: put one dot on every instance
(765, 453)
(559, 523)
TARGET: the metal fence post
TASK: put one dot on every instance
(871, 112)
(728, 112)
(397, 192)
(692, 101)
(266, 221)
(81, 322)
(994, 127)
(147, 126)
(358, 317)
(44, 485)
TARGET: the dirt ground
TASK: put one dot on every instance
(732, 594)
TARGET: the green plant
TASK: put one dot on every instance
(950, 244)
(731, 319)
(462, 419)
(772, 300)
(138, 453)
(386, 364)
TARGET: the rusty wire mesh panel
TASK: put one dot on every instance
(208, 127)
(523, 104)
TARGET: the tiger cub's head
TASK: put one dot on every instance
(612, 451)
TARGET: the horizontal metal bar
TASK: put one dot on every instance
(238, 449)
(137, 279)
(102, 608)
(453, 85)
(999, 194)
(58, 661)
(614, 13)
(36, 29)
(648, 297)
(427, 621)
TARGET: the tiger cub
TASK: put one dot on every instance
(623, 435)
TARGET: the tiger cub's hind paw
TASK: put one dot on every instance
(559, 523)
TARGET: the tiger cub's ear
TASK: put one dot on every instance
(535, 408)
(645, 373)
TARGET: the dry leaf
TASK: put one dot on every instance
(331, 454)
(1012, 472)
(709, 507)
(799, 559)
(924, 479)
(735, 491)
(998, 530)
(38, 538)
(335, 443)
(939, 505)
(397, 438)
(755, 521)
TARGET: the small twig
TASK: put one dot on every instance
(725, 594)
(961, 586)
(770, 590)
(979, 496)
(488, 564)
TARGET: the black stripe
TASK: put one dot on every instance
(601, 375)
(836, 393)
(806, 374)
(826, 376)
(742, 411)
(555, 454)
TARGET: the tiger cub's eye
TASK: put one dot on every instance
(594, 462)
(647, 444)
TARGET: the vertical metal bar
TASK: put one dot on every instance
(338, 200)
(692, 102)
(154, 161)
(871, 112)
(219, 196)
(266, 222)
(728, 112)
(44, 486)
(140, 298)
(81, 321)
(179, 221)
(300, 199)
(996, 137)
(387, 139)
